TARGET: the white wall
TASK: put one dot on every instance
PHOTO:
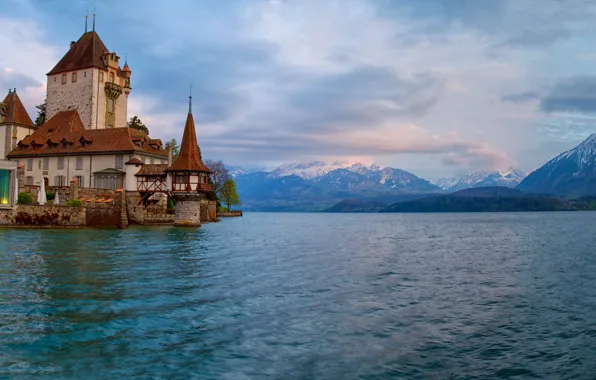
(91, 163)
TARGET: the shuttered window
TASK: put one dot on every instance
(59, 180)
(119, 161)
(46, 163)
(60, 163)
(81, 180)
(79, 165)
(29, 164)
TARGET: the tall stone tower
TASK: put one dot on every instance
(89, 79)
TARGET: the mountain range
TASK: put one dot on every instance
(510, 177)
(339, 186)
(317, 185)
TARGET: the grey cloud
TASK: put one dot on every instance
(574, 94)
(14, 80)
(522, 97)
(364, 95)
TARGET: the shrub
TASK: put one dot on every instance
(171, 204)
(74, 203)
(25, 198)
(50, 195)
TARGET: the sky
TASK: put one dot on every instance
(435, 87)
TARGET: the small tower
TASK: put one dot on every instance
(189, 177)
(15, 123)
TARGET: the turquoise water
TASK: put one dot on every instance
(304, 296)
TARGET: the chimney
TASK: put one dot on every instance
(72, 44)
(169, 149)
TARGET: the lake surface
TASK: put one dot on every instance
(304, 296)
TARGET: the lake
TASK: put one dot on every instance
(304, 296)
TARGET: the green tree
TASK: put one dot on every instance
(41, 113)
(228, 193)
(136, 123)
(175, 147)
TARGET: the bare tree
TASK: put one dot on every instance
(220, 174)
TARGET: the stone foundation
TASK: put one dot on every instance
(188, 210)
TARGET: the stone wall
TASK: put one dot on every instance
(159, 218)
(134, 208)
(229, 214)
(35, 215)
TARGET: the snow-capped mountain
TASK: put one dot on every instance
(572, 173)
(315, 169)
(308, 170)
(510, 177)
(236, 171)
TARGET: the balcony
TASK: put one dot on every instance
(113, 91)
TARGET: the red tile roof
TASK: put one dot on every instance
(189, 158)
(134, 161)
(16, 112)
(66, 126)
(86, 52)
(152, 170)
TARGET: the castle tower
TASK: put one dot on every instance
(89, 79)
(189, 177)
(15, 123)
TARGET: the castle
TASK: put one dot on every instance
(86, 138)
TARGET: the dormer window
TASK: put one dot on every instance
(84, 141)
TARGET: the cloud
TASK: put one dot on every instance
(435, 85)
(520, 97)
(574, 94)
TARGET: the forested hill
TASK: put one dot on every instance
(487, 199)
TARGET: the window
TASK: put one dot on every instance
(110, 105)
(29, 180)
(29, 164)
(119, 161)
(81, 180)
(54, 79)
(46, 163)
(60, 163)
(152, 161)
(112, 182)
(63, 78)
(79, 165)
(112, 77)
(84, 74)
(39, 165)
(100, 76)
(60, 180)
(74, 77)
(143, 159)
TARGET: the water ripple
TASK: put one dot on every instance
(304, 296)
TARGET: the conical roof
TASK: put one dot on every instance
(86, 52)
(189, 158)
(16, 112)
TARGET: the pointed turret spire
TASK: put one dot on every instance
(86, 19)
(190, 100)
(94, 14)
(189, 158)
